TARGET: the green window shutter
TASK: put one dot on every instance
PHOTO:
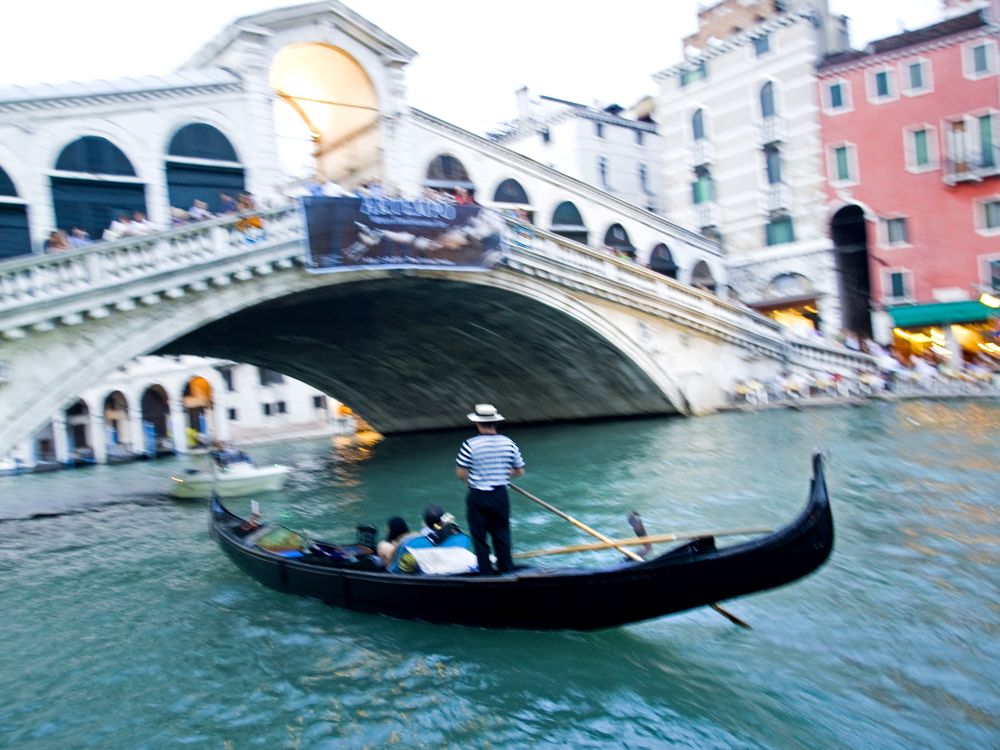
(986, 156)
(920, 149)
(897, 284)
(843, 167)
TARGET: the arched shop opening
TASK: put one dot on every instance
(201, 164)
(791, 300)
(155, 408)
(78, 436)
(567, 222)
(197, 409)
(849, 232)
(116, 422)
(15, 238)
(661, 260)
(327, 115)
(701, 277)
(94, 183)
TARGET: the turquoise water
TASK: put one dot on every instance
(123, 626)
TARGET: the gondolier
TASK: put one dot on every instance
(487, 462)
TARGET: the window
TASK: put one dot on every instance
(693, 75)
(319, 402)
(772, 163)
(779, 230)
(880, 85)
(227, 378)
(698, 125)
(761, 45)
(602, 172)
(895, 231)
(897, 285)
(767, 108)
(639, 137)
(546, 135)
(843, 164)
(993, 275)
(232, 415)
(643, 179)
(918, 145)
(599, 129)
(282, 409)
(266, 408)
(989, 218)
(980, 59)
(703, 187)
(269, 377)
(971, 147)
(917, 77)
(837, 97)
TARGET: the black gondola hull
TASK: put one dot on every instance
(694, 575)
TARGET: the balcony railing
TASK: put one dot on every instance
(776, 197)
(973, 165)
(770, 130)
(702, 152)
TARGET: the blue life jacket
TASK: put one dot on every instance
(449, 536)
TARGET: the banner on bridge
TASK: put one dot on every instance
(352, 232)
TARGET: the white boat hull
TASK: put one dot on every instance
(234, 481)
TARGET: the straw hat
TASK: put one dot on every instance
(485, 413)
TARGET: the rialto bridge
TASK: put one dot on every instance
(557, 330)
(554, 331)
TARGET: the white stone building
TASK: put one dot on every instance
(742, 153)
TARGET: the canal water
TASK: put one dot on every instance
(122, 625)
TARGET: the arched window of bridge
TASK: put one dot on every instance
(701, 277)
(566, 221)
(15, 239)
(155, 419)
(326, 114)
(616, 238)
(447, 173)
(95, 183)
(662, 261)
(510, 195)
(201, 164)
(117, 424)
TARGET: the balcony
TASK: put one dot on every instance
(701, 152)
(706, 214)
(770, 130)
(971, 165)
(776, 197)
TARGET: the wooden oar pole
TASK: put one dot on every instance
(629, 553)
(637, 541)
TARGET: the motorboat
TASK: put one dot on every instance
(235, 478)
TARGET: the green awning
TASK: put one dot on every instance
(941, 313)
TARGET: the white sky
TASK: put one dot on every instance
(472, 54)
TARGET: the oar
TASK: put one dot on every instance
(637, 541)
(628, 553)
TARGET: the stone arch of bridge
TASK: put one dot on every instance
(410, 351)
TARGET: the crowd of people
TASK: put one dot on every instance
(136, 223)
(915, 374)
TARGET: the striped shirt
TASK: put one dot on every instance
(489, 459)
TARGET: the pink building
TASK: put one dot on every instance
(910, 131)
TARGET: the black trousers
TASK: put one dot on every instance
(489, 513)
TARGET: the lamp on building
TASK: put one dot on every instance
(990, 300)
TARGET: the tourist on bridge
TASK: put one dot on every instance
(488, 461)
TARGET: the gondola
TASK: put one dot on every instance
(695, 574)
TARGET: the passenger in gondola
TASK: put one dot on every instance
(442, 548)
(397, 532)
